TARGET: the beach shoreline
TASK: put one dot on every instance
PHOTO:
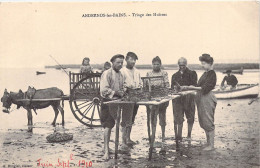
(236, 142)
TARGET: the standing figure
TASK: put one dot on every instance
(111, 87)
(184, 104)
(85, 66)
(158, 109)
(230, 79)
(132, 79)
(107, 65)
(206, 100)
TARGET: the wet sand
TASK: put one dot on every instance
(236, 141)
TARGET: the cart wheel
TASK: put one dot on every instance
(85, 101)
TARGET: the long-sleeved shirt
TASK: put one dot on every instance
(132, 77)
(110, 82)
(207, 81)
(187, 78)
(158, 81)
(231, 80)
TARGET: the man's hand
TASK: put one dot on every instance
(183, 88)
(119, 93)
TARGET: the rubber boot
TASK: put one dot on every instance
(211, 135)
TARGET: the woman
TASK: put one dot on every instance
(206, 100)
(85, 67)
(161, 109)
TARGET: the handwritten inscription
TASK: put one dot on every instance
(63, 163)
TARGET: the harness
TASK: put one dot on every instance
(30, 97)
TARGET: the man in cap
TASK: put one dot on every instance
(111, 87)
(184, 104)
(230, 79)
(132, 79)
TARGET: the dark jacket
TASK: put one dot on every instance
(231, 80)
(188, 78)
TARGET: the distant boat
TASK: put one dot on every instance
(39, 73)
(242, 91)
(237, 71)
(59, 68)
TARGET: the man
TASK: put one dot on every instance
(184, 104)
(111, 87)
(230, 79)
(132, 79)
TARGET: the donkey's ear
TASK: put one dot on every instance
(18, 106)
(29, 87)
(6, 91)
(20, 91)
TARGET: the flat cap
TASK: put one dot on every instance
(131, 54)
(117, 56)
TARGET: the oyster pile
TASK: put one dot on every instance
(136, 95)
(159, 91)
(59, 137)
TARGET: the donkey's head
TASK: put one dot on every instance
(6, 100)
(30, 92)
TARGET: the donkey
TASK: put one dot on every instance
(13, 98)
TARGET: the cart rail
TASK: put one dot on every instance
(65, 97)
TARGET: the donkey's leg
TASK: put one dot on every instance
(29, 116)
(56, 114)
(62, 114)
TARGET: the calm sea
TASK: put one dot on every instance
(14, 79)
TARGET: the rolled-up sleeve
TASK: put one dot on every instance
(105, 88)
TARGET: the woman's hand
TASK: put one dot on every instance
(184, 88)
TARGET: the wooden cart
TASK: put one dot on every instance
(85, 103)
(85, 98)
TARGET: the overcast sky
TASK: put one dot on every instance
(30, 32)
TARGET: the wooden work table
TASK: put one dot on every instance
(151, 118)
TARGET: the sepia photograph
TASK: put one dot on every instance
(156, 84)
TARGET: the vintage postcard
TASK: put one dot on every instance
(129, 84)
